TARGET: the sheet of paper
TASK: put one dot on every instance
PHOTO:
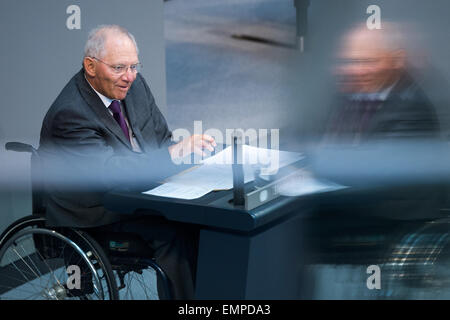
(303, 182)
(215, 173)
(179, 191)
(198, 182)
(268, 160)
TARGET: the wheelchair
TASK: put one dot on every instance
(42, 263)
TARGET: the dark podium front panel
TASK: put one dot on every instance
(256, 254)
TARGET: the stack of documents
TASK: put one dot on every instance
(215, 173)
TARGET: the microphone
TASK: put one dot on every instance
(238, 171)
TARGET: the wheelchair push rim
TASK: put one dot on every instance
(39, 276)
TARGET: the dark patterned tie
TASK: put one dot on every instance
(354, 120)
(368, 109)
(117, 114)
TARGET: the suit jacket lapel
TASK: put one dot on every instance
(132, 119)
(94, 101)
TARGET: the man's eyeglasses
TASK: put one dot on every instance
(120, 69)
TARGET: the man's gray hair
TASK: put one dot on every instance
(390, 38)
(95, 45)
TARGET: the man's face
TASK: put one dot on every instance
(119, 50)
(364, 67)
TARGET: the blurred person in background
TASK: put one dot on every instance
(379, 102)
(378, 97)
(379, 106)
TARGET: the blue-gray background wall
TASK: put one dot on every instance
(39, 54)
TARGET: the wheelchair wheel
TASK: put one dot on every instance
(33, 221)
(39, 263)
(138, 275)
(138, 280)
(419, 266)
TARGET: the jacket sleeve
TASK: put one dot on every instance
(78, 156)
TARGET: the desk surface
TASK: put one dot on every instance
(215, 209)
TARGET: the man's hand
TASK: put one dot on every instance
(195, 143)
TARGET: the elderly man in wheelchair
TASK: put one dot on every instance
(103, 132)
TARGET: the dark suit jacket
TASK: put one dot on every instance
(85, 153)
(356, 141)
(405, 113)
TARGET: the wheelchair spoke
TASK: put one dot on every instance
(50, 269)
(63, 273)
(14, 279)
(21, 272)
(23, 283)
(138, 285)
(21, 289)
(32, 262)
(37, 258)
(140, 279)
(20, 257)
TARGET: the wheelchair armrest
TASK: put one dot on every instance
(20, 147)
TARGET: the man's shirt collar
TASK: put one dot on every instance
(106, 101)
(373, 96)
